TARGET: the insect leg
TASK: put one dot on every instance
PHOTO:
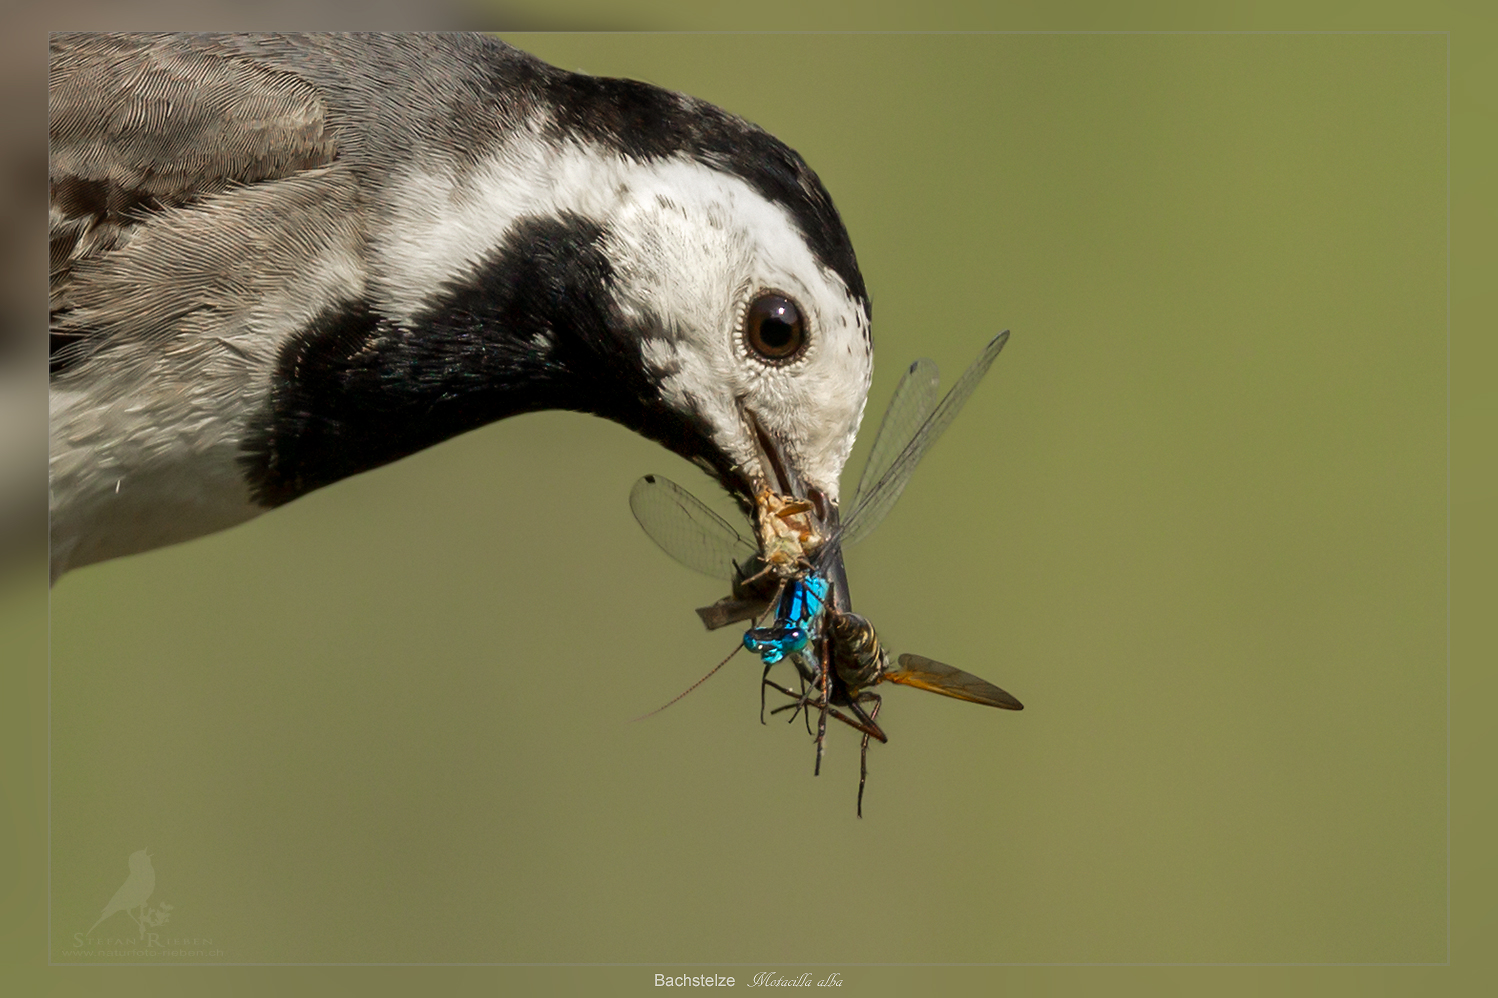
(860, 722)
(826, 705)
(764, 680)
(801, 700)
(806, 716)
(765, 675)
(798, 700)
(863, 755)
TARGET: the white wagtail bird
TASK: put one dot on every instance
(280, 260)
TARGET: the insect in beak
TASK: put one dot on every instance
(794, 565)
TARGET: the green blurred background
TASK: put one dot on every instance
(1195, 519)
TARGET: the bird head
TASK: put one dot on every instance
(664, 264)
(604, 246)
(731, 290)
(753, 339)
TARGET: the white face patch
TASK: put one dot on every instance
(690, 247)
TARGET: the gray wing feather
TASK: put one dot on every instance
(164, 116)
(141, 125)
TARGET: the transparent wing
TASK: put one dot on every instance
(937, 677)
(880, 497)
(909, 407)
(686, 529)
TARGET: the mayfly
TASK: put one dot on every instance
(836, 652)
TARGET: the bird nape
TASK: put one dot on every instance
(280, 260)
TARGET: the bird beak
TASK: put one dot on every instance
(787, 510)
(775, 472)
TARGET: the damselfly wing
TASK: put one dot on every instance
(685, 528)
(879, 487)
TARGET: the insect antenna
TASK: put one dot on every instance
(692, 687)
(713, 670)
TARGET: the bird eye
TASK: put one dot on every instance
(774, 328)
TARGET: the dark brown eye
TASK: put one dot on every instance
(773, 328)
